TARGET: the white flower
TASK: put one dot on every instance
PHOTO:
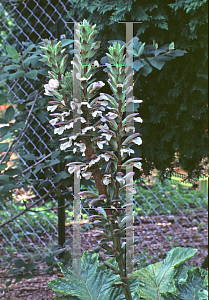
(104, 103)
(78, 76)
(100, 144)
(59, 130)
(137, 165)
(106, 179)
(72, 104)
(96, 63)
(51, 108)
(86, 103)
(97, 112)
(71, 169)
(74, 166)
(53, 83)
(138, 119)
(103, 119)
(94, 160)
(137, 101)
(131, 189)
(87, 175)
(82, 119)
(47, 93)
(107, 136)
(105, 156)
(105, 126)
(137, 141)
(88, 128)
(130, 127)
(54, 121)
(81, 145)
(120, 179)
(95, 86)
(66, 145)
(126, 150)
(68, 126)
(65, 113)
(111, 115)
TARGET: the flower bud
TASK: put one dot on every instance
(53, 83)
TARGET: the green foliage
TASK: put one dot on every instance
(19, 268)
(168, 279)
(52, 262)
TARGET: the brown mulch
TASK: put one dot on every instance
(151, 232)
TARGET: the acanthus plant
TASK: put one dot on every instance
(102, 138)
(104, 142)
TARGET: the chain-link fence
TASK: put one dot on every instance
(161, 223)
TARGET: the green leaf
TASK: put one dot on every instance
(19, 277)
(95, 281)
(190, 284)
(30, 60)
(177, 52)
(12, 172)
(66, 42)
(49, 260)
(10, 50)
(2, 77)
(32, 74)
(3, 166)
(7, 187)
(61, 175)
(3, 97)
(9, 114)
(16, 56)
(130, 138)
(68, 242)
(18, 125)
(19, 263)
(14, 271)
(3, 121)
(4, 178)
(11, 67)
(30, 266)
(30, 157)
(28, 275)
(16, 75)
(138, 64)
(44, 71)
(55, 154)
(146, 70)
(111, 266)
(5, 137)
(156, 63)
(28, 49)
(57, 252)
(101, 211)
(158, 278)
(4, 130)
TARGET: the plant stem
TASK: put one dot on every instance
(64, 96)
(116, 240)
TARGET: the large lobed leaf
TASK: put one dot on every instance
(95, 282)
(168, 279)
